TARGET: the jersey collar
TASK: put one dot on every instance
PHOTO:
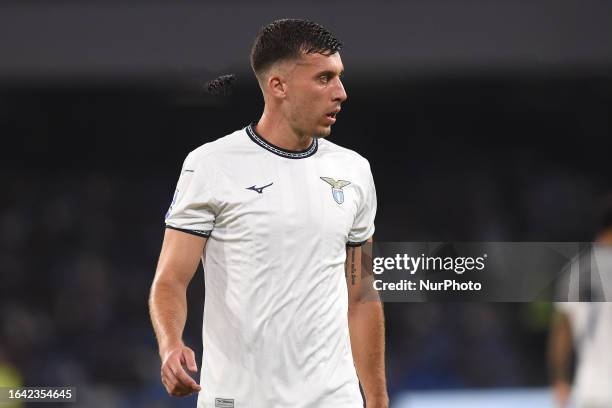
(290, 154)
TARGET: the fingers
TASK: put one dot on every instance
(175, 379)
(183, 378)
(190, 360)
(179, 379)
(175, 386)
(174, 389)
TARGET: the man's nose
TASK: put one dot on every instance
(339, 92)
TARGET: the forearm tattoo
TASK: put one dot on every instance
(353, 267)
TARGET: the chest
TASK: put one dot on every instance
(288, 197)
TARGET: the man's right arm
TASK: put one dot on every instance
(177, 264)
(559, 355)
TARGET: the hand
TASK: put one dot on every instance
(562, 391)
(174, 377)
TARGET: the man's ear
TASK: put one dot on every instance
(277, 86)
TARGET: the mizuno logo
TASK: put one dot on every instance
(258, 189)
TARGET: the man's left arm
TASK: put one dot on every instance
(366, 326)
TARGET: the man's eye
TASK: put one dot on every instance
(324, 78)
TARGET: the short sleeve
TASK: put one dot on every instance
(363, 226)
(193, 209)
(578, 314)
(566, 307)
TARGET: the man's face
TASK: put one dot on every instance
(314, 93)
(605, 237)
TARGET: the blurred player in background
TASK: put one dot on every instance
(585, 327)
(282, 215)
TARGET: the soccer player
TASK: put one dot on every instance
(278, 215)
(587, 328)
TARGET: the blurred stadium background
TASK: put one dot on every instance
(482, 120)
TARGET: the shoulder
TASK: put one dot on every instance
(337, 152)
(212, 151)
(573, 310)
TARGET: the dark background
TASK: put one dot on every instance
(482, 121)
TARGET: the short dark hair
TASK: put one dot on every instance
(287, 39)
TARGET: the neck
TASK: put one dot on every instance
(277, 131)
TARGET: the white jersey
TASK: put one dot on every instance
(275, 316)
(591, 325)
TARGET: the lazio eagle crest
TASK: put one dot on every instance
(337, 192)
